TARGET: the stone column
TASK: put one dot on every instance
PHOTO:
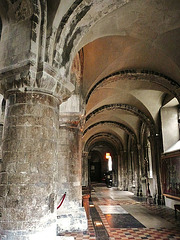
(133, 172)
(136, 172)
(85, 172)
(139, 169)
(156, 149)
(119, 172)
(71, 215)
(28, 175)
(125, 171)
(129, 170)
(1, 128)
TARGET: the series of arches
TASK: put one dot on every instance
(115, 74)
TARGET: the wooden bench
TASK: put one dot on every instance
(176, 206)
(86, 194)
(177, 209)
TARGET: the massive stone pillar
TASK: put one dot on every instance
(71, 214)
(29, 166)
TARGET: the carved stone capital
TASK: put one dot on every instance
(124, 107)
(25, 77)
(71, 122)
(138, 75)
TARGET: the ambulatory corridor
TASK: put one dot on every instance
(119, 215)
(89, 93)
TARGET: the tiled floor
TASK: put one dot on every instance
(158, 221)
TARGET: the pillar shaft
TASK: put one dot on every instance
(85, 172)
(29, 166)
(71, 215)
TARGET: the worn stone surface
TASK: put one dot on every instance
(71, 215)
(117, 60)
(28, 174)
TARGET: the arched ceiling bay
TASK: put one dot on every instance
(110, 54)
(120, 116)
(142, 37)
(109, 129)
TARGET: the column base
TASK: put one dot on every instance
(160, 200)
(46, 234)
(72, 221)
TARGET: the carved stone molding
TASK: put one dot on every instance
(113, 124)
(138, 75)
(107, 137)
(125, 107)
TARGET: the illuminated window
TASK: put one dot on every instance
(108, 156)
(170, 126)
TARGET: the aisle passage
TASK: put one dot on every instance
(119, 215)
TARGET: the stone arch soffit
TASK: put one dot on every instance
(106, 141)
(111, 134)
(107, 137)
(98, 153)
(77, 69)
(72, 27)
(115, 124)
(32, 73)
(34, 11)
(132, 74)
(125, 107)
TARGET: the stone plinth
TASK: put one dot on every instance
(72, 220)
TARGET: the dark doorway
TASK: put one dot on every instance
(95, 166)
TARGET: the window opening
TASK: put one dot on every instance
(108, 156)
(150, 170)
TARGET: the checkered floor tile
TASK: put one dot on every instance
(100, 200)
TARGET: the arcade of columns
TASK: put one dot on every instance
(44, 126)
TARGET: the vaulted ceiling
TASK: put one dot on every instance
(131, 68)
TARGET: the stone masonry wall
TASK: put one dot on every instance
(15, 44)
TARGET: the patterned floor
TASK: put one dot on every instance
(102, 199)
